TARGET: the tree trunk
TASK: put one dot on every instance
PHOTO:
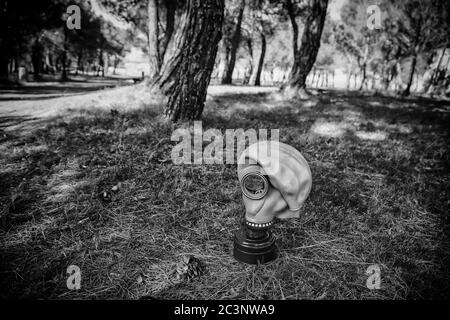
(36, 59)
(225, 57)
(106, 64)
(229, 67)
(79, 61)
(64, 57)
(305, 56)
(385, 78)
(364, 77)
(171, 6)
(64, 69)
(433, 76)
(249, 67)
(261, 60)
(363, 67)
(5, 41)
(292, 17)
(3, 65)
(153, 38)
(101, 64)
(186, 77)
(406, 92)
(116, 63)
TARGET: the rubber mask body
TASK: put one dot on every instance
(289, 181)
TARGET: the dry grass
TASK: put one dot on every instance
(380, 196)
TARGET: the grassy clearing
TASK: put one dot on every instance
(380, 196)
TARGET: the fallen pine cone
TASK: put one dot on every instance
(188, 269)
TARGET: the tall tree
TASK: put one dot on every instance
(261, 21)
(186, 77)
(153, 38)
(418, 28)
(354, 39)
(304, 56)
(261, 59)
(234, 45)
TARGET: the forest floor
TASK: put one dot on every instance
(83, 185)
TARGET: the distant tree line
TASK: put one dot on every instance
(34, 35)
(410, 44)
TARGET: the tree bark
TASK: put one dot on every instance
(406, 92)
(261, 60)
(249, 67)
(3, 66)
(79, 61)
(106, 64)
(5, 41)
(186, 77)
(292, 18)
(101, 64)
(433, 76)
(116, 63)
(363, 76)
(363, 67)
(235, 40)
(36, 59)
(225, 57)
(64, 58)
(416, 51)
(305, 56)
(171, 7)
(64, 69)
(386, 78)
(153, 38)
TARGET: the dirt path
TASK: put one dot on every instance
(14, 114)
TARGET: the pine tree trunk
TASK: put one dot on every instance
(433, 76)
(5, 41)
(407, 90)
(171, 6)
(249, 67)
(116, 63)
(79, 61)
(3, 66)
(186, 77)
(225, 57)
(153, 38)
(106, 64)
(228, 75)
(36, 59)
(363, 67)
(364, 77)
(292, 18)
(305, 56)
(101, 64)
(261, 60)
(64, 58)
(64, 69)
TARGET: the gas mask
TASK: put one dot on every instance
(275, 181)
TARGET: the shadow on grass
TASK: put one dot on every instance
(373, 202)
(8, 121)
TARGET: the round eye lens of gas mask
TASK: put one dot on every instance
(254, 185)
